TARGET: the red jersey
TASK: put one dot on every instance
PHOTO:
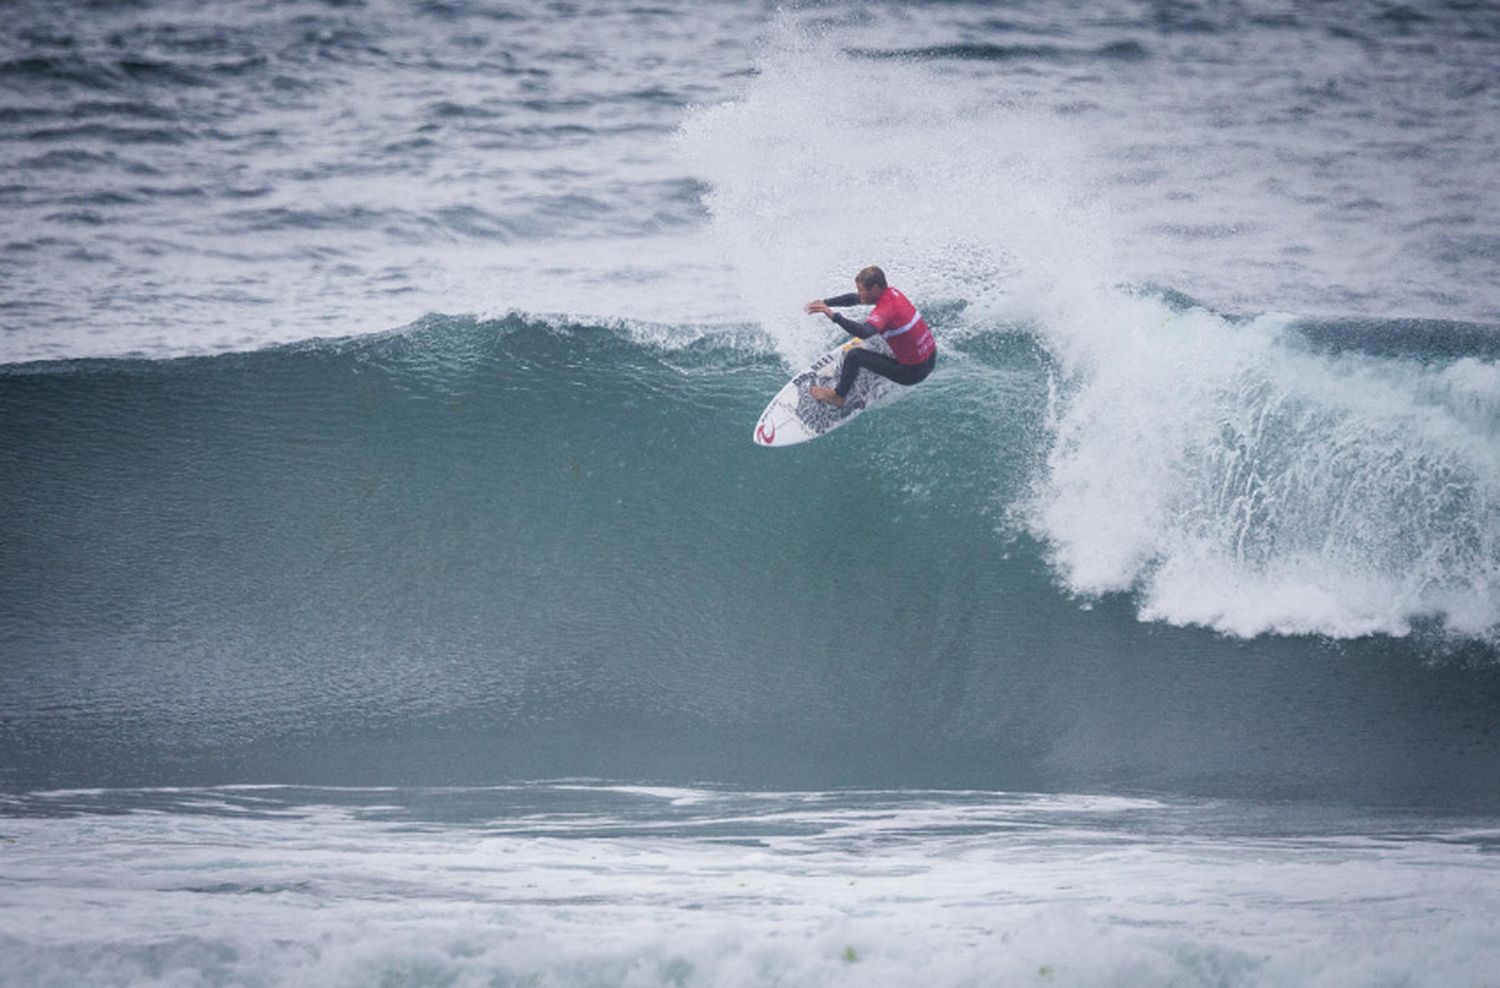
(903, 327)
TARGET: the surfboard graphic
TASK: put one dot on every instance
(794, 416)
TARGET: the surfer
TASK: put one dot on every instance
(895, 320)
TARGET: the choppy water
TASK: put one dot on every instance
(579, 883)
(374, 439)
(183, 177)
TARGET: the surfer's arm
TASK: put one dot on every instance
(824, 306)
(860, 329)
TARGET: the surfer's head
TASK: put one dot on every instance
(871, 284)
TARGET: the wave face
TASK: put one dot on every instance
(523, 549)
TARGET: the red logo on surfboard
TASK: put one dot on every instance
(766, 437)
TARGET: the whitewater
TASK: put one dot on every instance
(390, 592)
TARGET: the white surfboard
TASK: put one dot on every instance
(794, 416)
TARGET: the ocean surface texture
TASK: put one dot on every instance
(391, 593)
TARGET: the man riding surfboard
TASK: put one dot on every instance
(895, 320)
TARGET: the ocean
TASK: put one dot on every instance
(391, 592)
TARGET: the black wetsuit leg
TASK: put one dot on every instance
(859, 359)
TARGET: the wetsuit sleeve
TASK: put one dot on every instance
(860, 329)
(842, 300)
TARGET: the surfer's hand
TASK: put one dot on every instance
(818, 305)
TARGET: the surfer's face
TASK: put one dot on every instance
(868, 294)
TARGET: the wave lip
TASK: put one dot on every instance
(1239, 481)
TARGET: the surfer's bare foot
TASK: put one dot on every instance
(827, 395)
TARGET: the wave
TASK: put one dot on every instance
(1240, 479)
(559, 539)
(1251, 476)
(989, 52)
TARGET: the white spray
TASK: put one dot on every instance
(1228, 475)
